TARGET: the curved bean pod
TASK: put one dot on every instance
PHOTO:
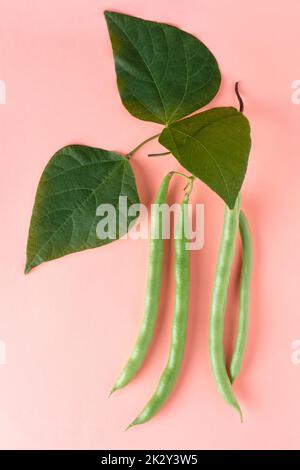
(241, 338)
(218, 305)
(155, 266)
(179, 325)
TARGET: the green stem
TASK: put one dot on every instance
(240, 99)
(141, 145)
(158, 154)
(189, 187)
(178, 173)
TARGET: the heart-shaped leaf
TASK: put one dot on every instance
(76, 181)
(214, 146)
(163, 73)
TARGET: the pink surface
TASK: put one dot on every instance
(69, 325)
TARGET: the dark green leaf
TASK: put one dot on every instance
(214, 146)
(74, 183)
(163, 73)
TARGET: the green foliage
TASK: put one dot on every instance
(74, 183)
(163, 73)
(214, 146)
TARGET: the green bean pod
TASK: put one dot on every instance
(218, 305)
(179, 324)
(154, 281)
(242, 330)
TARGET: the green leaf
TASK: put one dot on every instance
(75, 182)
(163, 73)
(214, 146)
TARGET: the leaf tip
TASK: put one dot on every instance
(28, 268)
(108, 14)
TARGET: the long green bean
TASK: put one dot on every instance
(218, 305)
(242, 330)
(179, 326)
(155, 267)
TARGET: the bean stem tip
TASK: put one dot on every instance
(111, 392)
(129, 426)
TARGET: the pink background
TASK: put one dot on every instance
(70, 324)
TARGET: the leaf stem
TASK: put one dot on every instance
(190, 179)
(237, 92)
(158, 154)
(178, 173)
(141, 145)
(189, 187)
